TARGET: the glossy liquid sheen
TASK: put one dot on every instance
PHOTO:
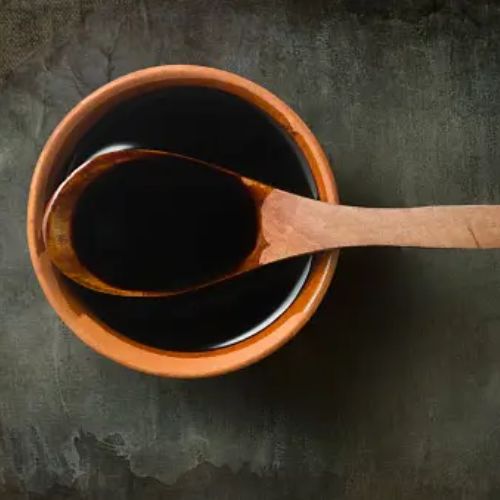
(223, 129)
(164, 223)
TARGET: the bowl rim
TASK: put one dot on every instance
(100, 336)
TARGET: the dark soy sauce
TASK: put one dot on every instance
(223, 129)
(164, 223)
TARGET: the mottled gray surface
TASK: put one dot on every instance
(393, 389)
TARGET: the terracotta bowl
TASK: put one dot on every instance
(100, 334)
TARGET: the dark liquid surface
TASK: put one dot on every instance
(220, 128)
(164, 223)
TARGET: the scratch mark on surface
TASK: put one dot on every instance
(55, 352)
(41, 119)
(145, 17)
(76, 81)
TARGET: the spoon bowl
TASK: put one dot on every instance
(159, 224)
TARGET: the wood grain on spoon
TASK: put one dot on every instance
(290, 225)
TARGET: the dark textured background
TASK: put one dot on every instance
(393, 389)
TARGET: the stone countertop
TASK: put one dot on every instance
(392, 391)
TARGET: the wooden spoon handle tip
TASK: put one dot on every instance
(294, 225)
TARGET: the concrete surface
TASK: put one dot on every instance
(393, 390)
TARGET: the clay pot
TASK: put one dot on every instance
(68, 304)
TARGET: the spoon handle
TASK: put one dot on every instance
(297, 225)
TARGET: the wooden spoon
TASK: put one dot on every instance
(290, 225)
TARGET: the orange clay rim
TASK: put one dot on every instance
(73, 312)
